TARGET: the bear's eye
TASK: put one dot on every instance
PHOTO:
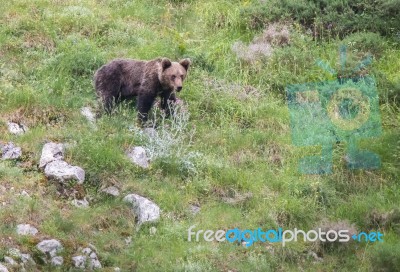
(173, 77)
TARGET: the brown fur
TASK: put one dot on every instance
(123, 79)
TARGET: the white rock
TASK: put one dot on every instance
(3, 268)
(15, 253)
(51, 247)
(80, 203)
(26, 258)
(88, 114)
(128, 240)
(150, 132)
(51, 152)
(57, 260)
(112, 190)
(138, 156)
(16, 129)
(194, 209)
(62, 171)
(24, 194)
(94, 264)
(10, 151)
(117, 269)
(153, 230)
(87, 251)
(79, 261)
(9, 260)
(26, 229)
(144, 209)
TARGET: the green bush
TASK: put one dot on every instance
(385, 257)
(326, 18)
(366, 42)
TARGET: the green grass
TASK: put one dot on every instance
(236, 159)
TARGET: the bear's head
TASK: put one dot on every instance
(173, 74)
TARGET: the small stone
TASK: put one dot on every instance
(112, 190)
(11, 152)
(26, 229)
(150, 132)
(80, 203)
(27, 258)
(153, 230)
(93, 255)
(3, 268)
(57, 260)
(94, 264)
(9, 260)
(62, 172)
(51, 247)
(16, 129)
(117, 269)
(315, 256)
(51, 152)
(194, 209)
(128, 240)
(88, 114)
(79, 261)
(138, 156)
(144, 209)
(24, 194)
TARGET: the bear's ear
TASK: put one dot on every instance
(185, 63)
(165, 63)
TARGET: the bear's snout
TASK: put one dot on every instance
(179, 88)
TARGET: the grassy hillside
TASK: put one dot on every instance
(231, 150)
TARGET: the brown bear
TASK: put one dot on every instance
(123, 79)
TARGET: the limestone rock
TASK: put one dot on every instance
(16, 129)
(26, 229)
(51, 152)
(57, 260)
(62, 172)
(51, 247)
(79, 261)
(10, 151)
(87, 260)
(80, 203)
(138, 156)
(9, 260)
(144, 209)
(112, 190)
(3, 268)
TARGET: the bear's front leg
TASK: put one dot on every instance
(144, 103)
(167, 103)
(107, 102)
